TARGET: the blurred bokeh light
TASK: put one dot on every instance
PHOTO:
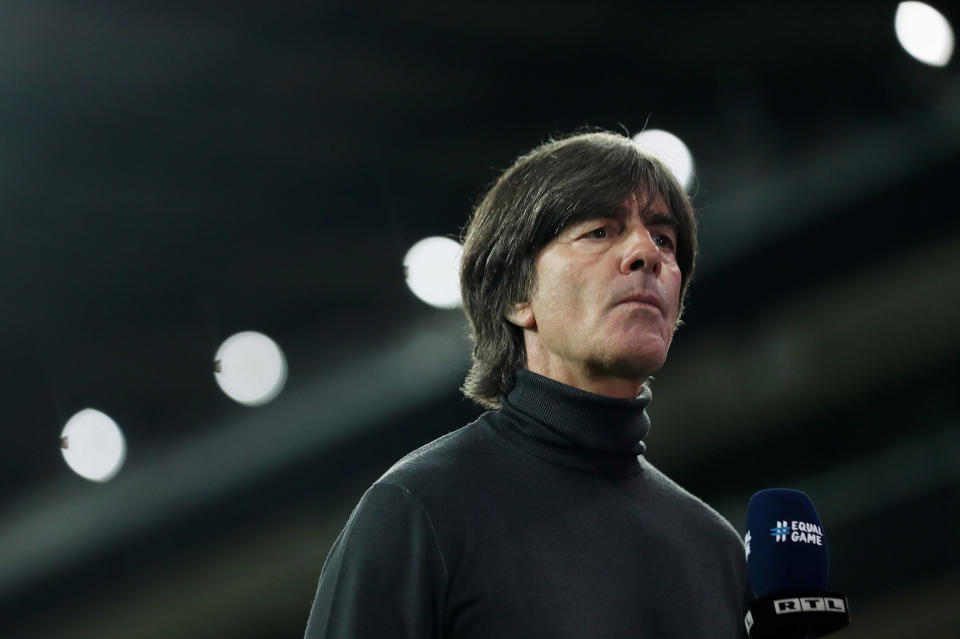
(924, 33)
(432, 271)
(93, 445)
(250, 368)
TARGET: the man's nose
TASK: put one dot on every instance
(640, 253)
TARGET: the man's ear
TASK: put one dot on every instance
(522, 315)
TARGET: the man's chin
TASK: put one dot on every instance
(636, 365)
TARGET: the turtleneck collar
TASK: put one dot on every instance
(576, 428)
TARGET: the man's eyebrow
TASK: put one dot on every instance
(654, 218)
(593, 216)
(660, 218)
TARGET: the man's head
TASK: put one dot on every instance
(526, 227)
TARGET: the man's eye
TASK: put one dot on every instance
(663, 240)
(598, 234)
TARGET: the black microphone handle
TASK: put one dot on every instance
(797, 615)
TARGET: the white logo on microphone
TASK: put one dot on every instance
(780, 531)
(809, 604)
(799, 531)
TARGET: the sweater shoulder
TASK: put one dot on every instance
(687, 506)
(450, 459)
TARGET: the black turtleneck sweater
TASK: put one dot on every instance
(539, 520)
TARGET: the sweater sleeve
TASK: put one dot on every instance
(385, 575)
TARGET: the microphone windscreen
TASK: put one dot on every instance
(786, 545)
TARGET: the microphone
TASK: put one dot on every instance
(789, 569)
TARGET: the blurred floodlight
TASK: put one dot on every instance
(92, 445)
(671, 150)
(432, 268)
(250, 368)
(924, 33)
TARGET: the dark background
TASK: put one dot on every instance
(173, 173)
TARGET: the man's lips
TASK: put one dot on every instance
(643, 298)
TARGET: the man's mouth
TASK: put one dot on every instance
(643, 299)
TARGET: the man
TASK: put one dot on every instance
(543, 518)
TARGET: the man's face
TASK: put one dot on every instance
(605, 299)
